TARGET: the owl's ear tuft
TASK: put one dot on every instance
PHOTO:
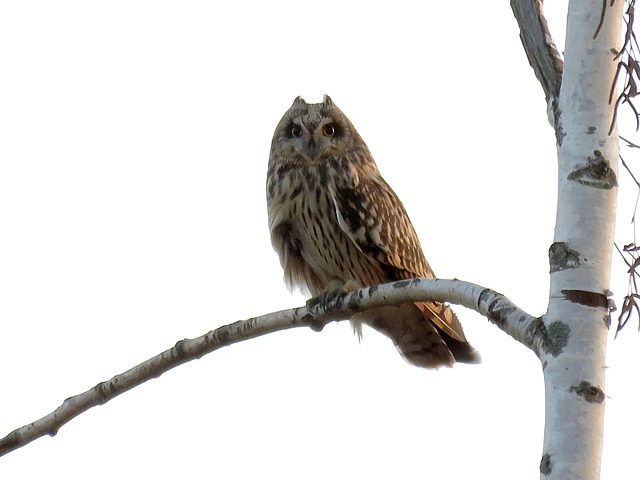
(299, 102)
(326, 101)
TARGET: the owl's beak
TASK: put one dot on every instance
(311, 149)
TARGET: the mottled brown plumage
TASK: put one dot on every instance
(336, 223)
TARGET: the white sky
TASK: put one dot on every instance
(134, 139)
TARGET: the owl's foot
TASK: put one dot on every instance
(323, 300)
(330, 296)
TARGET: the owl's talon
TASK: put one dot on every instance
(316, 325)
(322, 302)
(325, 299)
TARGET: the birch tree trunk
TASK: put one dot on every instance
(577, 320)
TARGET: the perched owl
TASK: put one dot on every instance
(336, 223)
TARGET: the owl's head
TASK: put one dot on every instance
(314, 133)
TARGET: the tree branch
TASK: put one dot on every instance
(541, 51)
(496, 307)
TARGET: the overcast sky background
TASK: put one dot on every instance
(133, 152)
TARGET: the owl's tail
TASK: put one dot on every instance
(447, 323)
(417, 335)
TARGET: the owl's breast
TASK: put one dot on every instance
(305, 231)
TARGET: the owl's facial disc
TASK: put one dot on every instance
(314, 133)
(311, 149)
(318, 140)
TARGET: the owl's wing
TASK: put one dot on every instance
(375, 220)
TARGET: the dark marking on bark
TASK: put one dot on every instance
(223, 335)
(557, 338)
(545, 464)
(561, 257)
(497, 312)
(402, 284)
(597, 173)
(586, 298)
(552, 338)
(102, 391)
(591, 130)
(590, 393)
(179, 352)
(535, 330)
(483, 293)
(498, 315)
(12, 441)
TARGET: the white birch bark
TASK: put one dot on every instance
(576, 323)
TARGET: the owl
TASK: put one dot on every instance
(335, 223)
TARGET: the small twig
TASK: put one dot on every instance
(630, 256)
(624, 164)
(630, 144)
(601, 22)
(497, 308)
(627, 61)
(603, 12)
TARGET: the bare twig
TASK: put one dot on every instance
(497, 308)
(631, 255)
(603, 12)
(630, 144)
(627, 61)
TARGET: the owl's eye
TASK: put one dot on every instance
(296, 131)
(329, 130)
